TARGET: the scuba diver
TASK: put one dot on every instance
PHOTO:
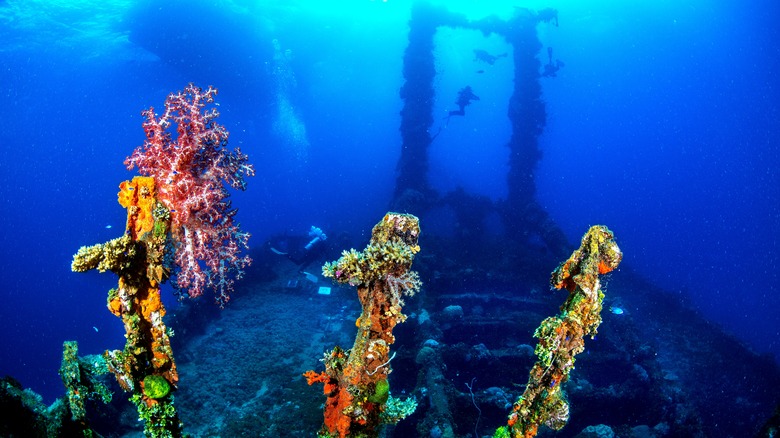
(550, 69)
(465, 96)
(304, 255)
(487, 58)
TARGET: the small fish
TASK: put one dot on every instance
(95, 328)
(108, 227)
(616, 310)
(480, 71)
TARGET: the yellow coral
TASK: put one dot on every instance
(114, 255)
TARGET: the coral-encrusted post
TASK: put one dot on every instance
(179, 224)
(138, 258)
(79, 375)
(355, 381)
(561, 337)
(191, 171)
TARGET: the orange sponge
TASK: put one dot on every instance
(138, 197)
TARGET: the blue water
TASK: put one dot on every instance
(663, 125)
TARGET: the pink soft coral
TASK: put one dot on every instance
(190, 173)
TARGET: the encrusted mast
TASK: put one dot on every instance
(355, 380)
(145, 367)
(562, 337)
(179, 224)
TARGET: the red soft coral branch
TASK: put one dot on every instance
(190, 173)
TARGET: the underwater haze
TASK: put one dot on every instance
(662, 122)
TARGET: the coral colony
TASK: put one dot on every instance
(179, 224)
(189, 172)
(355, 381)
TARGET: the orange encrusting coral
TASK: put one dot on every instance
(115, 304)
(604, 268)
(312, 377)
(138, 197)
(151, 304)
(335, 421)
(144, 307)
(338, 399)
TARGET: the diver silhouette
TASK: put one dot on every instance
(487, 58)
(550, 69)
(293, 247)
(465, 96)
